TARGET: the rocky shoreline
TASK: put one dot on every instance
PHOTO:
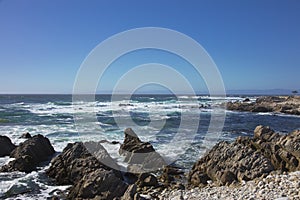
(276, 104)
(260, 167)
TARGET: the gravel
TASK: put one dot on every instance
(275, 186)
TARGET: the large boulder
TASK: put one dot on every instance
(38, 147)
(6, 146)
(91, 171)
(29, 154)
(141, 156)
(98, 184)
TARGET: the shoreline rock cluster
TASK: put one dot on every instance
(87, 174)
(248, 158)
(249, 167)
(276, 104)
(28, 155)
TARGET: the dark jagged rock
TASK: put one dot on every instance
(98, 184)
(6, 146)
(76, 160)
(26, 136)
(37, 147)
(248, 158)
(91, 171)
(29, 154)
(279, 104)
(246, 100)
(141, 156)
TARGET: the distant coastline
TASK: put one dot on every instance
(251, 92)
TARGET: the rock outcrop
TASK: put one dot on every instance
(6, 146)
(248, 158)
(29, 154)
(277, 104)
(282, 150)
(141, 156)
(82, 165)
(229, 162)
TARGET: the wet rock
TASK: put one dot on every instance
(258, 108)
(99, 184)
(22, 164)
(115, 142)
(246, 100)
(37, 147)
(6, 146)
(26, 136)
(140, 154)
(29, 154)
(125, 104)
(91, 171)
(76, 160)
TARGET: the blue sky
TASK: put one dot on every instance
(255, 44)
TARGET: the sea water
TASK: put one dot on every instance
(155, 118)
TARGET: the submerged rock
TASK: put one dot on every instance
(29, 154)
(6, 146)
(82, 165)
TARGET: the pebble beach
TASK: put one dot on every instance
(274, 186)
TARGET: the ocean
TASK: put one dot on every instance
(155, 118)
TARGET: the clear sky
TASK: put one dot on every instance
(254, 43)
